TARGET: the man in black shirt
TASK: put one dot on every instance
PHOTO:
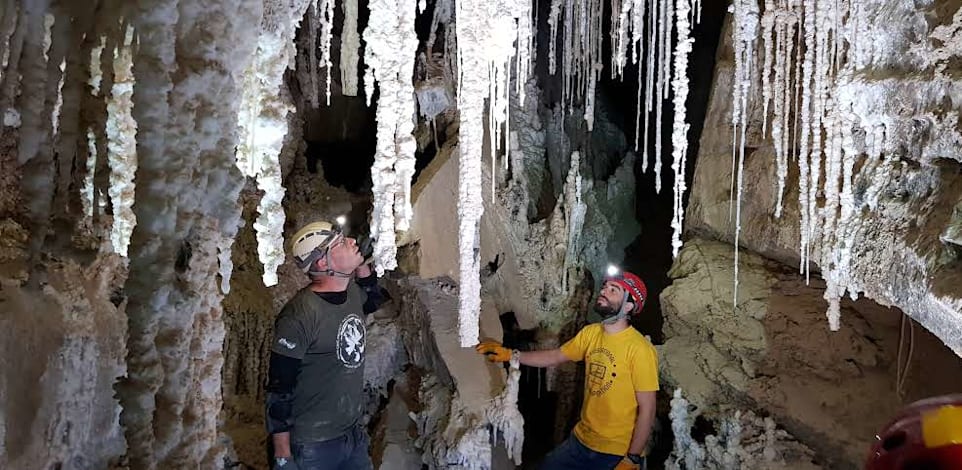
(316, 374)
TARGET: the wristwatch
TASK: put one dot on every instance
(280, 461)
(635, 459)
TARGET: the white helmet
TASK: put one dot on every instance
(310, 243)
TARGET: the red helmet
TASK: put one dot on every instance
(633, 285)
(925, 435)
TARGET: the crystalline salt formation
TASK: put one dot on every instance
(389, 56)
(491, 34)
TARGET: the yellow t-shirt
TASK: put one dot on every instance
(616, 366)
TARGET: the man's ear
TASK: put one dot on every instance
(321, 264)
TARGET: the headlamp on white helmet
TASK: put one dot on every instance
(311, 243)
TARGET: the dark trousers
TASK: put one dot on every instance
(348, 452)
(573, 455)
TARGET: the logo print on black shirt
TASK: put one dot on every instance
(351, 336)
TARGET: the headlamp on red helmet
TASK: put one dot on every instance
(632, 285)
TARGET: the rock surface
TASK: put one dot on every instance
(63, 348)
(453, 427)
(900, 237)
(774, 352)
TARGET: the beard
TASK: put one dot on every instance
(606, 310)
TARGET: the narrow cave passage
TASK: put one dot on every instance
(649, 254)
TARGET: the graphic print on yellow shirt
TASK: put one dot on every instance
(616, 366)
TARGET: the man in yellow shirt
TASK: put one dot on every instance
(621, 378)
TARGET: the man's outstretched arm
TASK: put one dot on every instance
(494, 352)
(546, 358)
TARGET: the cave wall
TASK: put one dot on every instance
(69, 95)
(63, 347)
(900, 337)
(906, 191)
(773, 353)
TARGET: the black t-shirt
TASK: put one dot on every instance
(329, 339)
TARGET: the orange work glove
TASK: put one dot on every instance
(493, 351)
(627, 464)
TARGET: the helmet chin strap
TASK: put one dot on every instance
(622, 313)
(329, 271)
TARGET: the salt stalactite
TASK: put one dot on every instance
(262, 119)
(581, 49)
(15, 29)
(34, 150)
(109, 29)
(350, 43)
(472, 70)
(662, 60)
(96, 74)
(679, 135)
(779, 28)
(845, 231)
(746, 30)
(504, 416)
(582, 38)
(663, 76)
(833, 169)
(122, 145)
(67, 124)
(58, 104)
(824, 128)
(325, 15)
(489, 34)
(310, 54)
(94, 81)
(554, 16)
(772, 22)
(151, 263)
(186, 105)
(808, 64)
(839, 211)
(816, 154)
(8, 23)
(825, 121)
(391, 46)
(768, 37)
(320, 22)
(618, 35)
(575, 211)
(650, 64)
(520, 31)
(87, 192)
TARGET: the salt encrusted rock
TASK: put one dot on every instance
(888, 159)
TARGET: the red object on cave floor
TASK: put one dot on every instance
(926, 435)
